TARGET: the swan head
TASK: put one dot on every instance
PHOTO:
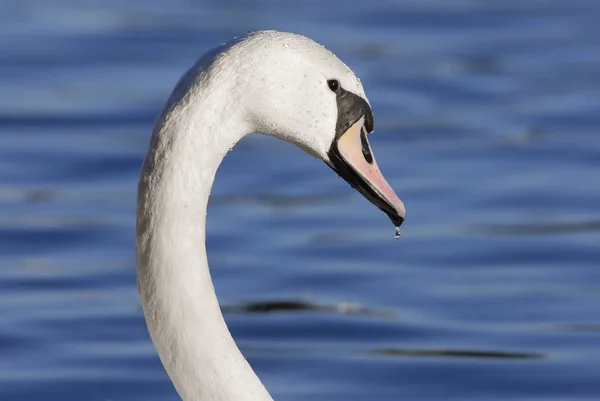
(299, 91)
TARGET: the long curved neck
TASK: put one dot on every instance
(190, 139)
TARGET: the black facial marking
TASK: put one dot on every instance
(351, 108)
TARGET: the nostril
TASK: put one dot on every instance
(366, 150)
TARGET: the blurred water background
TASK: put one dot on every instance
(487, 123)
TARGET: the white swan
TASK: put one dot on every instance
(275, 83)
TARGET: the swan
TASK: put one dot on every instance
(275, 83)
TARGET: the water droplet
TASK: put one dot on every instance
(286, 45)
(320, 82)
(273, 125)
(266, 46)
(397, 235)
(262, 81)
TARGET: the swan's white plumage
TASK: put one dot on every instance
(268, 82)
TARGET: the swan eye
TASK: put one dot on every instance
(333, 84)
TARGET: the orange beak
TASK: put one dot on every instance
(352, 159)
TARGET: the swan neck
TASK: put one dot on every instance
(174, 283)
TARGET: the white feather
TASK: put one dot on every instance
(268, 82)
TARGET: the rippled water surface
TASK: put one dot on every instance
(487, 124)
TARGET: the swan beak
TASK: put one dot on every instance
(352, 159)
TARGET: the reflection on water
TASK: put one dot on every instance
(298, 305)
(458, 353)
(485, 123)
(540, 229)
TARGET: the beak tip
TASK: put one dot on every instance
(398, 212)
(397, 220)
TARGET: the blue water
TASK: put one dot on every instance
(487, 124)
